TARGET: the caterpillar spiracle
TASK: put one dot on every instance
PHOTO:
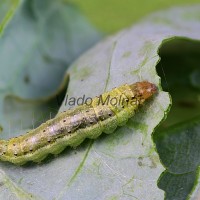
(72, 126)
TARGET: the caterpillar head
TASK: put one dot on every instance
(144, 89)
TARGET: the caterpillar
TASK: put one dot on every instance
(71, 127)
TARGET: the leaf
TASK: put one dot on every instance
(177, 186)
(183, 139)
(123, 165)
(15, 191)
(178, 148)
(7, 9)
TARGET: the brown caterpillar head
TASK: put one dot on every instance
(144, 89)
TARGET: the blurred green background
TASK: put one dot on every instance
(112, 15)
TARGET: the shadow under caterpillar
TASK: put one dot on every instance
(71, 127)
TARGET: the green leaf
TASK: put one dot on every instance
(179, 149)
(7, 10)
(177, 186)
(178, 146)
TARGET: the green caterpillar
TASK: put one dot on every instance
(71, 127)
